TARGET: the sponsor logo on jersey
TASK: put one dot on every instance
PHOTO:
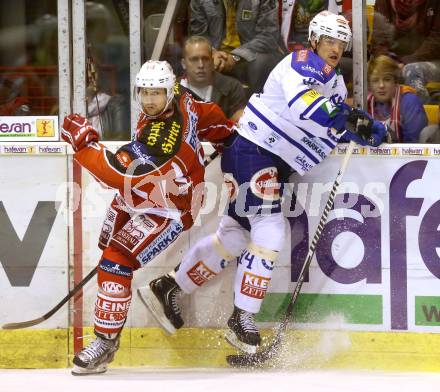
(302, 162)
(231, 186)
(135, 231)
(108, 226)
(310, 96)
(160, 243)
(336, 99)
(252, 125)
(331, 135)
(314, 146)
(311, 69)
(115, 268)
(327, 69)
(45, 128)
(254, 286)
(272, 139)
(200, 274)
(112, 287)
(310, 82)
(192, 124)
(302, 55)
(123, 158)
(264, 184)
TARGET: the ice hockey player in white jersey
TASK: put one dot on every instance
(291, 126)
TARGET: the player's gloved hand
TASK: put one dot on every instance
(378, 134)
(78, 132)
(362, 129)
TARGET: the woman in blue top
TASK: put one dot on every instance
(394, 104)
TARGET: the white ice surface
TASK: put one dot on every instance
(225, 380)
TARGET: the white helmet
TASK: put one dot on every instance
(332, 25)
(155, 74)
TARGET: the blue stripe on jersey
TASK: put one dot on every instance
(326, 141)
(280, 132)
(298, 96)
(316, 102)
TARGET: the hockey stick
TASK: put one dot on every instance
(244, 360)
(50, 313)
(78, 287)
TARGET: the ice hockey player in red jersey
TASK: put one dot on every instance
(159, 178)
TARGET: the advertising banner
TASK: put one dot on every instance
(377, 264)
(34, 247)
(29, 128)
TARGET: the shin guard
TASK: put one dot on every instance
(254, 272)
(114, 293)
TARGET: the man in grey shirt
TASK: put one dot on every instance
(208, 84)
(245, 35)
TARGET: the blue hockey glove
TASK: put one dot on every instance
(362, 129)
(378, 134)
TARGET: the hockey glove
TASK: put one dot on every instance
(78, 132)
(362, 129)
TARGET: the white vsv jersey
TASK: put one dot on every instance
(294, 116)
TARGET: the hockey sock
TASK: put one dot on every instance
(114, 292)
(202, 263)
(254, 272)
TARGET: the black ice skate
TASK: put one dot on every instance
(95, 357)
(160, 297)
(243, 333)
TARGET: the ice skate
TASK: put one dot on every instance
(94, 358)
(160, 297)
(243, 333)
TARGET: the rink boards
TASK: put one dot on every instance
(371, 298)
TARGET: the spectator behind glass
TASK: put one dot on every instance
(245, 34)
(11, 103)
(208, 84)
(296, 16)
(111, 111)
(395, 105)
(416, 40)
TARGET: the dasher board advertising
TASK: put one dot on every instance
(29, 128)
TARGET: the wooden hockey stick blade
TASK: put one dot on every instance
(259, 358)
(30, 323)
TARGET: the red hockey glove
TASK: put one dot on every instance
(78, 132)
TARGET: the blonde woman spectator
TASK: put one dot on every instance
(394, 104)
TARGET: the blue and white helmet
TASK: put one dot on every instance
(331, 25)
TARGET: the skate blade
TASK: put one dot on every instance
(232, 339)
(80, 371)
(155, 307)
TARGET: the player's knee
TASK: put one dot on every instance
(268, 231)
(231, 237)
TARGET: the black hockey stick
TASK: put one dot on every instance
(79, 286)
(50, 313)
(270, 351)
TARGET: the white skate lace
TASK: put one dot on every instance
(247, 322)
(96, 348)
